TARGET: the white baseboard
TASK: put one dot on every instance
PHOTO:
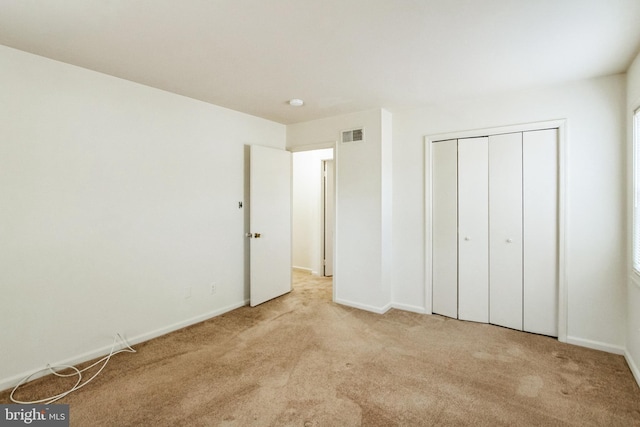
(7, 383)
(366, 307)
(412, 308)
(596, 345)
(385, 308)
(632, 365)
(302, 269)
(183, 324)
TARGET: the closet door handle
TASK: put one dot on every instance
(509, 241)
(467, 238)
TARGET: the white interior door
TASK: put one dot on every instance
(505, 230)
(473, 230)
(329, 216)
(270, 223)
(540, 175)
(444, 227)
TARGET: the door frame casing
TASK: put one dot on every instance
(331, 193)
(562, 126)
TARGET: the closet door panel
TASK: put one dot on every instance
(473, 230)
(444, 232)
(505, 230)
(540, 184)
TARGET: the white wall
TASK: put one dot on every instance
(307, 209)
(633, 288)
(362, 224)
(115, 198)
(594, 110)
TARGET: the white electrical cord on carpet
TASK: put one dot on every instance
(79, 384)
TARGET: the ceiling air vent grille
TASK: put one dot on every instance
(353, 135)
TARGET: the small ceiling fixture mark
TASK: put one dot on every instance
(295, 102)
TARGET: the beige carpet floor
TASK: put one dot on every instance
(301, 360)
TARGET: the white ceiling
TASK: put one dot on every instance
(339, 56)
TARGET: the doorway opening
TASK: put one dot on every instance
(313, 218)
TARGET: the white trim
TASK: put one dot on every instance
(366, 307)
(563, 238)
(314, 146)
(632, 366)
(322, 216)
(596, 345)
(635, 141)
(634, 278)
(7, 383)
(336, 219)
(320, 259)
(408, 307)
(302, 269)
(475, 133)
(563, 211)
(428, 212)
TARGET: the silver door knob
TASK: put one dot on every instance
(467, 238)
(509, 241)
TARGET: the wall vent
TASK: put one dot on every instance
(352, 135)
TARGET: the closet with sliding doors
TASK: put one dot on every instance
(494, 207)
